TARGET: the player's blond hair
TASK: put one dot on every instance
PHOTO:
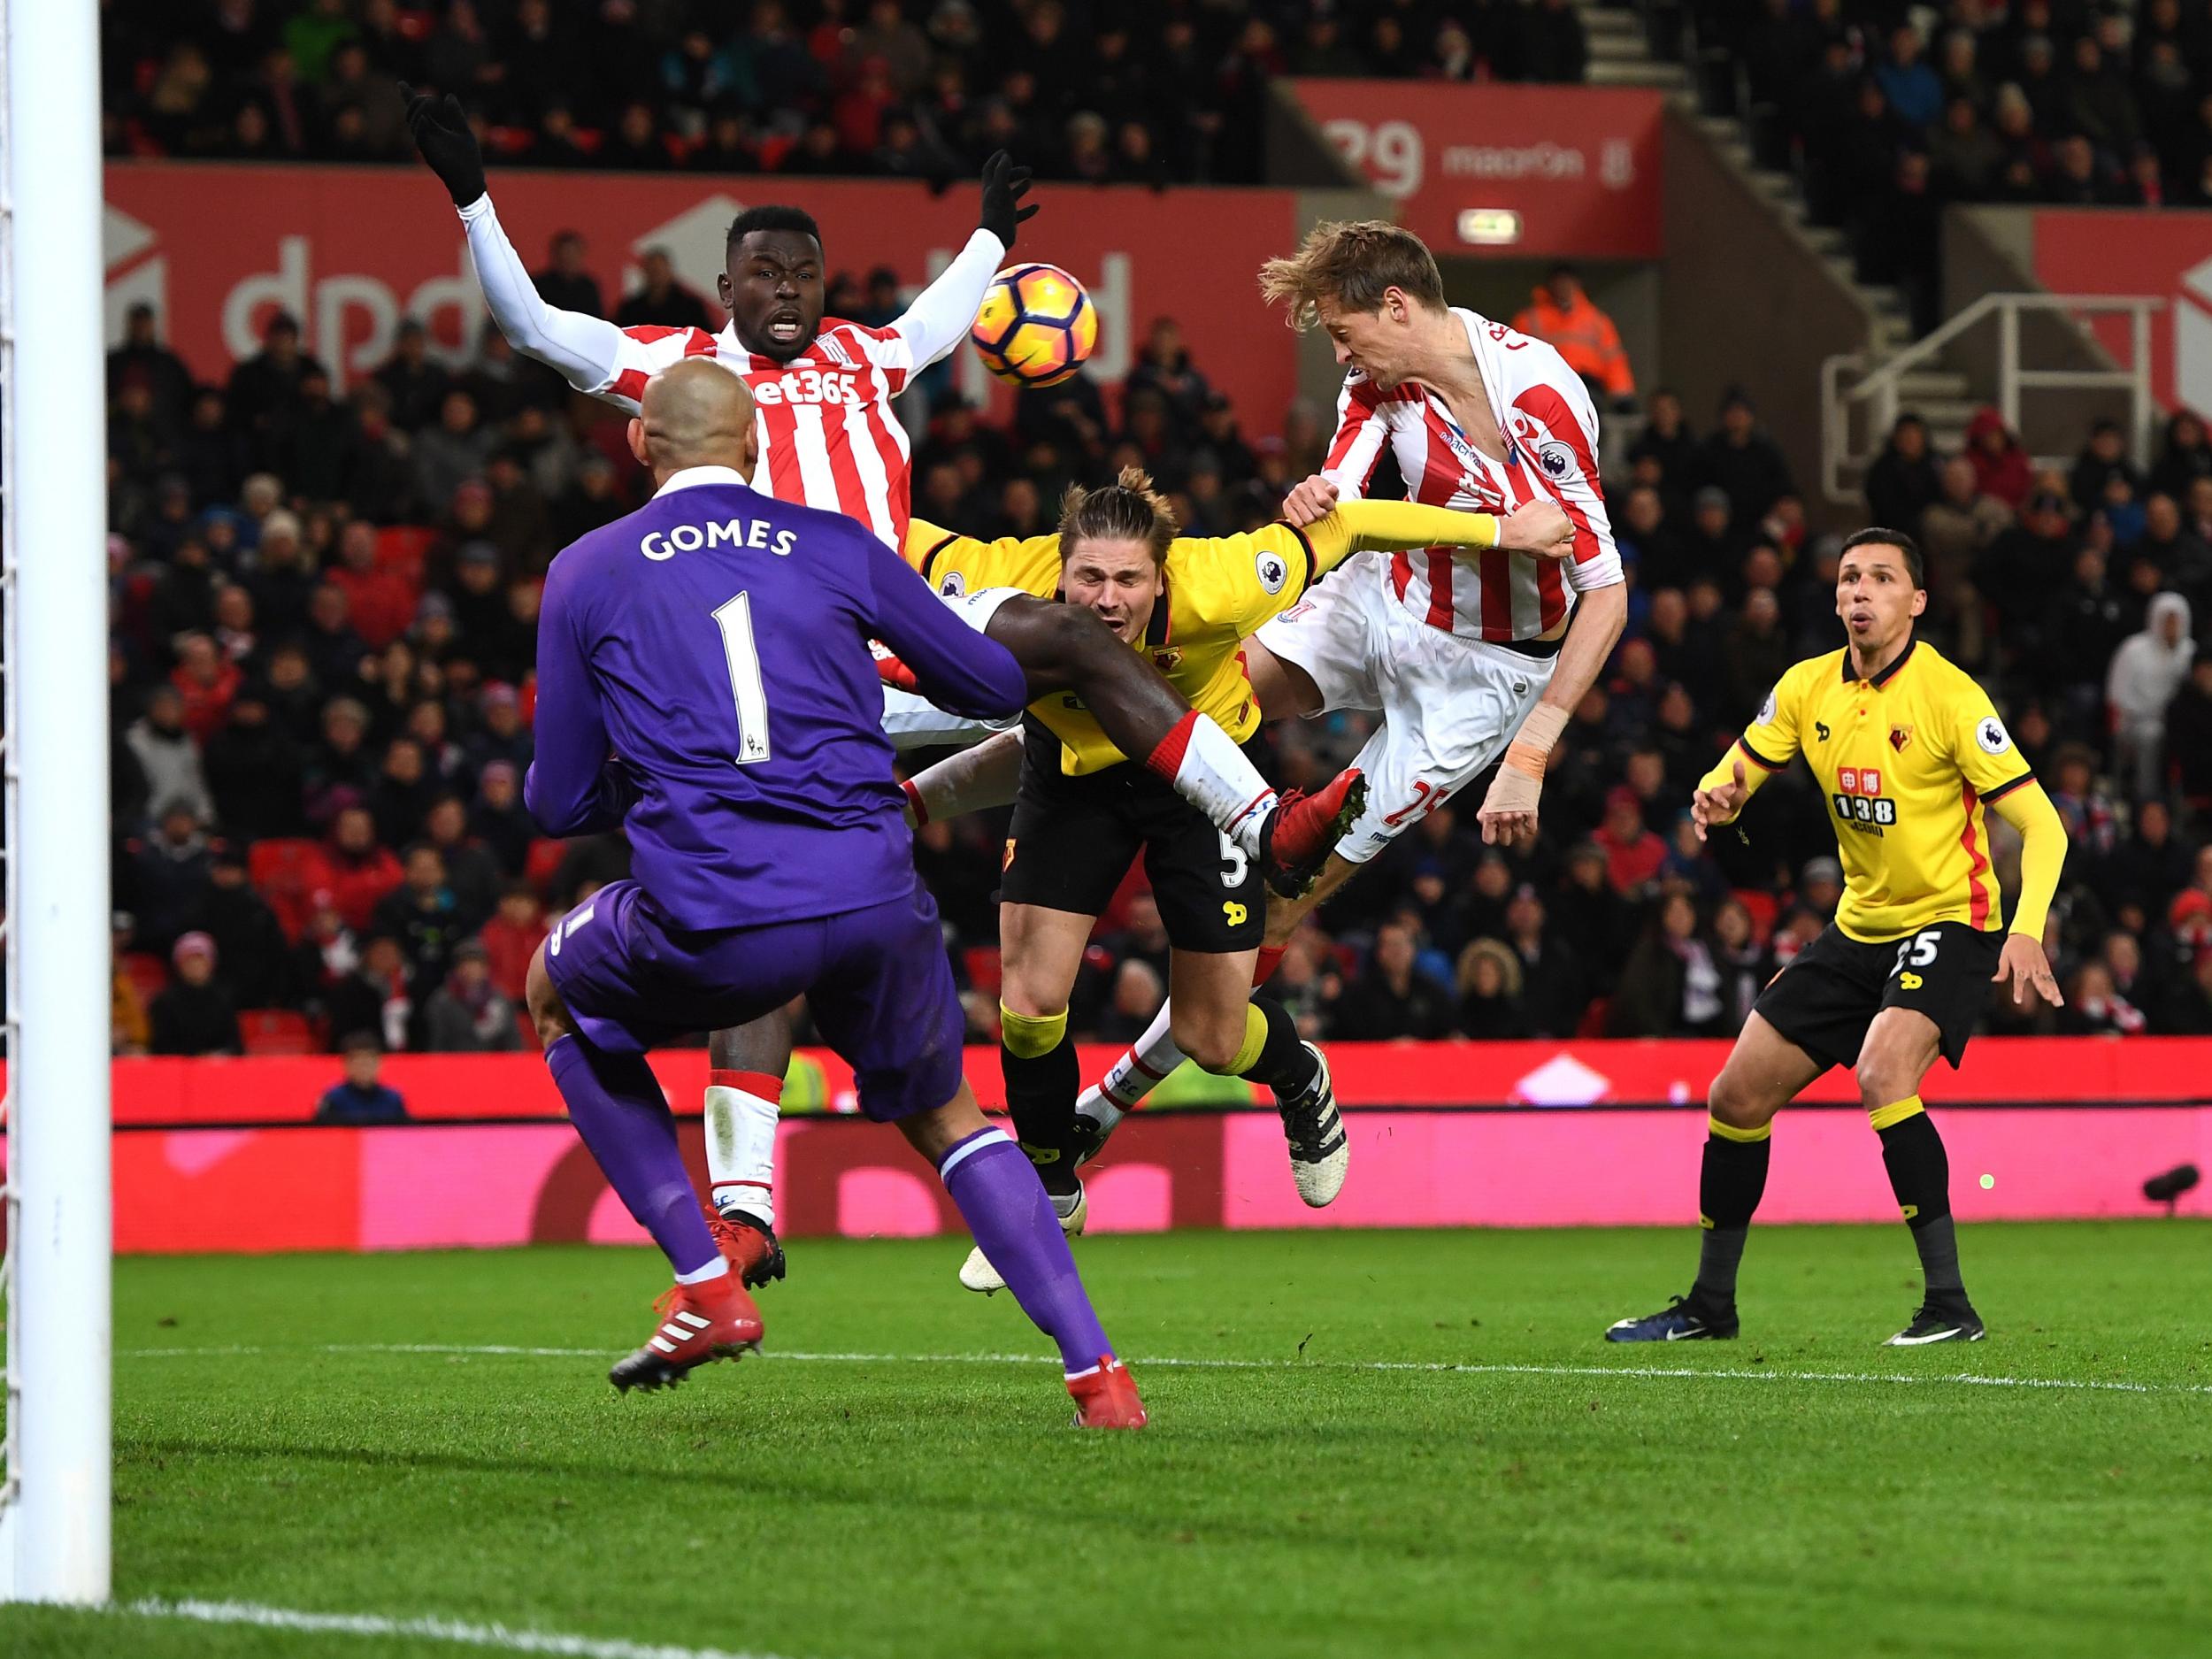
(1127, 509)
(1351, 265)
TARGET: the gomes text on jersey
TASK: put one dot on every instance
(756, 533)
(1908, 760)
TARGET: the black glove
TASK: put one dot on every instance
(1003, 186)
(442, 134)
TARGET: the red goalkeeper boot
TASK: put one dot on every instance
(1303, 829)
(1106, 1397)
(749, 1246)
(714, 1319)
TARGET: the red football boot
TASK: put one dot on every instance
(1303, 829)
(714, 1319)
(1106, 1397)
(750, 1246)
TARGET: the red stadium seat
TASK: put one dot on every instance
(1593, 1017)
(985, 972)
(543, 858)
(286, 871)
(276, 1030)
(147, 972)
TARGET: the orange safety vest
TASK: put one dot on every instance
(1585, 336)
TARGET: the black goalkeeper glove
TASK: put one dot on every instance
(442, 134)
(1003, 187)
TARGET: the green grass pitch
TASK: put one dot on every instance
(1799, 1491)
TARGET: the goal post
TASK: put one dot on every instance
(54, 1505)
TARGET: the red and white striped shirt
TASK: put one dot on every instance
(825, 433)
(823, 420)
(1550, 427)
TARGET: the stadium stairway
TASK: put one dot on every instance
(1656, 43)
(1621, 52)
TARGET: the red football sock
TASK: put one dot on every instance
(1270, 959)
(1167, 759)
(758, 1083)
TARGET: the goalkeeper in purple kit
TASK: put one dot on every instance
(705, 684)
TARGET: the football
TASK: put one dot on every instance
(1036, 326)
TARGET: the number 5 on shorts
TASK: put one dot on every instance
(1920, 949)
(1233, 862)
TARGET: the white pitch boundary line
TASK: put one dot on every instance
(1436, 1367)
(428, 1629)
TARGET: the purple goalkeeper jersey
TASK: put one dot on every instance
(704, 682)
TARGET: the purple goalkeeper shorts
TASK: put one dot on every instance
(876, 979)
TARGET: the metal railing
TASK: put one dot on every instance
(1875, 395)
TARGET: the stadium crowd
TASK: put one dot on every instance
(323, 638)
(1888, 113)
(1116, 92)
(324, 605)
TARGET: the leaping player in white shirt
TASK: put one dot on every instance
(1465, 662)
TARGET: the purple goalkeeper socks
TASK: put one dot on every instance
(618, 1108)
(1004, 1204)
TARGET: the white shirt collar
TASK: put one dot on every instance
(691, 477)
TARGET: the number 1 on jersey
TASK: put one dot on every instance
(735, 619)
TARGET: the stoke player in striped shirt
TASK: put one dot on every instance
(1471, 663)
(822, 387)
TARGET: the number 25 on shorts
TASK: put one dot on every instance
(1426, 798)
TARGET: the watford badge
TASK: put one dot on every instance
(1901, 738)
(1169, 660)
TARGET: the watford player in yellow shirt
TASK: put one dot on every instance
(1084, 810)
(1913, 759)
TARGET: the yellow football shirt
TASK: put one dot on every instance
(1909, 761)
(1216, 589)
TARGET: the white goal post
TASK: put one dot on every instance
(54, 1489)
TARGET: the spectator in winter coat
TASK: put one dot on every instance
(170, 760)
(1390, 1001)
(207, 682)
(467, 1015)
(511, 938)
(379, 603)
(196, 1016)
(164, 877)
(1633, 853)
(250, 948)
(2001, 466)
(1745, 462)
(1903, 481)
(1489, 978)
(358, 871)
(2147, 671)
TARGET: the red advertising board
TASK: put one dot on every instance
(1443, 1134)
(1577, 166)
(1417, 1076)
(217, 249)
(446, 1186)
(2166, 254)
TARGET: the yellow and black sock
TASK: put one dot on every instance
(1272, 1052)
(1043, 1080)
(1731, 1182)
(1920, 1175)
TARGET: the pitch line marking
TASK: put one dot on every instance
(1439, 1367)
(502, 1637)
